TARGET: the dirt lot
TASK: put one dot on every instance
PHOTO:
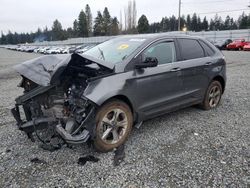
(188, 148)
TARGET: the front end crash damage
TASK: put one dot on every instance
(53, 96)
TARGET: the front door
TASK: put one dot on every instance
(158, 88)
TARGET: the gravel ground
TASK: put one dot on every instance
(187, 148)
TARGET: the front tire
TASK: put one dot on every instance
(213, 96)
(114, 122)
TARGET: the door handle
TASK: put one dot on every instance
(208, 63)
(175, 69)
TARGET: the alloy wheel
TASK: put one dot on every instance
(214, 96)
(113, 126)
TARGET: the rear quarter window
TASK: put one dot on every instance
(190, 49)
(208, 50)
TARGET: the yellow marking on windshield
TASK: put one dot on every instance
(123, 47)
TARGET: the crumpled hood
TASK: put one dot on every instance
(45, 69)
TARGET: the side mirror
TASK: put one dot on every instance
(149, 62)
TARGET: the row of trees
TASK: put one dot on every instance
(194, 23)
(83, 26)
(104, 24)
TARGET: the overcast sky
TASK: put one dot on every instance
(28, 15)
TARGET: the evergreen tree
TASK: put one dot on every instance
(204, 24)
(233, 24)
(212, 25)
(183, 22)
(38, 33)
(227, 23)
(165, 25)
(47, 34)
(218, 22)
(243, 21)
(143, 25)
(70, 32)
(57, 31)
(189, 26)
(3, 39)
(98, 25)
(82, 25)
(9, 37)
(199, 24)
(75, 28)
(194, 22)
(114, 26)
(155, 27)
(106, 21)
(173, 23)
(89, 19)
(248, 21)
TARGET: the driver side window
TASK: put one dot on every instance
(164, 52)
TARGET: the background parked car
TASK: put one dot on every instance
(54, 50)
(247, 47)
(65, 50)
(85, 48)
(222, 44)
(237, 44)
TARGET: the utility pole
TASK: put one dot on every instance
(179, 19)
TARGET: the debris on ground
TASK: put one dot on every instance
(49, 147)
(83, 160)
(38, 161)
(119, 155)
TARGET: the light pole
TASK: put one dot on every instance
(179, 19)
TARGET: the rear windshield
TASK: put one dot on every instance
(115, 50)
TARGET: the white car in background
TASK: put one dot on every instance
(85, 48)
(53, 50)
(44, 49)
(65, 50)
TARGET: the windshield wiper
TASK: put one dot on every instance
(124, 57)
(102, 54)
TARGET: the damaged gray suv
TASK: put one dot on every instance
(99, 95)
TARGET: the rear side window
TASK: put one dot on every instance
(209, 51)
(164, 52)
(190, 49)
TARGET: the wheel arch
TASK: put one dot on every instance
(221, 80)
(124, 99)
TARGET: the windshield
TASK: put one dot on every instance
(115, 50)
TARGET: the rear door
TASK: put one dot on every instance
(193, 67)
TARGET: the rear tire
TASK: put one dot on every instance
(213, 96)
(114, 122)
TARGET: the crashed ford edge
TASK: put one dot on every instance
(100, 94)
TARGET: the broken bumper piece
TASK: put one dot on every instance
(76, 139)
(42, 123)
(32, 125)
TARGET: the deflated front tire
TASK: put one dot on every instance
(114, 122)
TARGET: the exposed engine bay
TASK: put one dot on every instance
(60, 104)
